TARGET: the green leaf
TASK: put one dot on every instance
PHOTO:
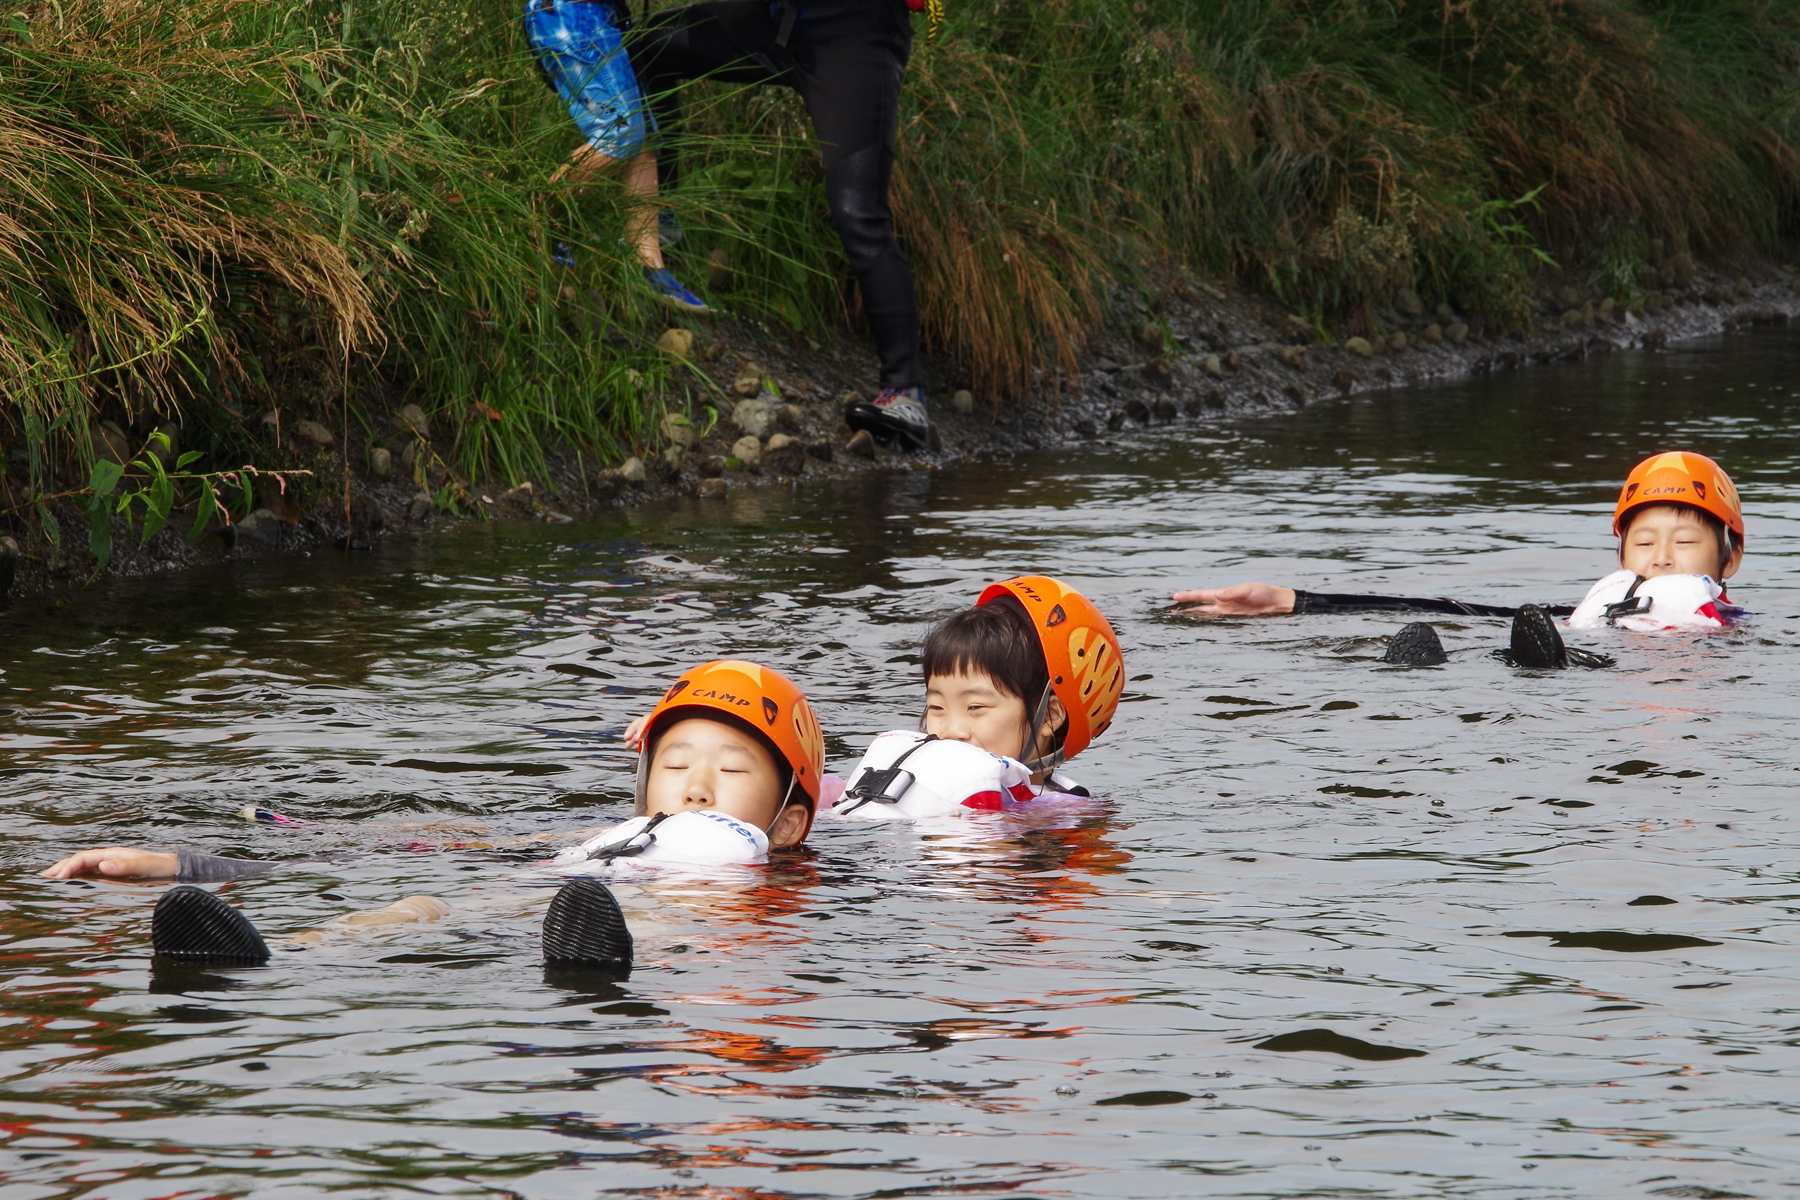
(99, 513)
(187, 457)
(105, 478)
(52, 527)
(203, 511)
(159, 499)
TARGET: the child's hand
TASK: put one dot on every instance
(634, 733)
(1240, 600)
(116, 862)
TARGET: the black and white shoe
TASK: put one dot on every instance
(1416, 645)
(585, 929)
(896, 416)
(192, 925)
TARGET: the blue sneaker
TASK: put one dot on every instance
(896, 415)
(668, 227)
(668, 289)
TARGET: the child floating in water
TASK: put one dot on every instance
(730, 765)
(1014, 688)
(1681, 535)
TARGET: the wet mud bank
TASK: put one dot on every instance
(754, 410)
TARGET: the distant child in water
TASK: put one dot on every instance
(730, 765)
(1014, 688)
(1681, 535)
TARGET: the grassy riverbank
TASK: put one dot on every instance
(232, 216)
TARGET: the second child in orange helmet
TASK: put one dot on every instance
(1015, 686)
(1680, 527)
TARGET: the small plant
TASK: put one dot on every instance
(156, 495)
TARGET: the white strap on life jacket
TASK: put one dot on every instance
(1666, 602)
(932, 778)
(694, 838)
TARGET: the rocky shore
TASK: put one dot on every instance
(759, 410)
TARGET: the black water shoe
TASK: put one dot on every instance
(193, 925)
(895, 417)
(1535, 641)
(585, 929)
(1416, 645)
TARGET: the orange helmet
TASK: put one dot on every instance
(760, 697)
(1087, 668)
(1681, 477)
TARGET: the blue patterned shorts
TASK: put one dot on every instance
(583, 53)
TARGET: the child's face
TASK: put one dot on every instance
(1669, 540)
(973, 709)
(702, 764)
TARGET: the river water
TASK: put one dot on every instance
(1573, 895)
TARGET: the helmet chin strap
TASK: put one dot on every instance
(786, 797)
(1050, 761)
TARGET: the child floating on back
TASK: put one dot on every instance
(1681, 535)
(730, 766)
(1014, 688)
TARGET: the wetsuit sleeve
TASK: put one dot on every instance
(1337, 602)
(210, 868)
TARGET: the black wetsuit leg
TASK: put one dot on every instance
(847, 60)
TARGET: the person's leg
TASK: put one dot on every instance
(586, 163)
(853, 96)
(582, 52)
(848, 67)
(850, 74)
(731, 41)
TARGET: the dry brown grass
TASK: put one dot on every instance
(125, 201)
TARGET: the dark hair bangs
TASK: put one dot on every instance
(995, 640)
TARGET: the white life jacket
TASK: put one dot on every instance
(905, 774)
(696, 837)
(1646, 605)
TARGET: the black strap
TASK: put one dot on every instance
(629, 847)
(1630, 604)
(1056, 757)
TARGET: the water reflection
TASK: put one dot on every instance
(1565, 890)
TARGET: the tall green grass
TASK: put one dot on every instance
(210, 209)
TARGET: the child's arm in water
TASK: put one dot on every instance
(1261, 599)
(128, 862)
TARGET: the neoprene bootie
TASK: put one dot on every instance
(1416, 645)
(1535, 641)
(585, 929)
(191, 924)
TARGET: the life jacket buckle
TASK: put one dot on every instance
(886, 786)
(629, 847)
